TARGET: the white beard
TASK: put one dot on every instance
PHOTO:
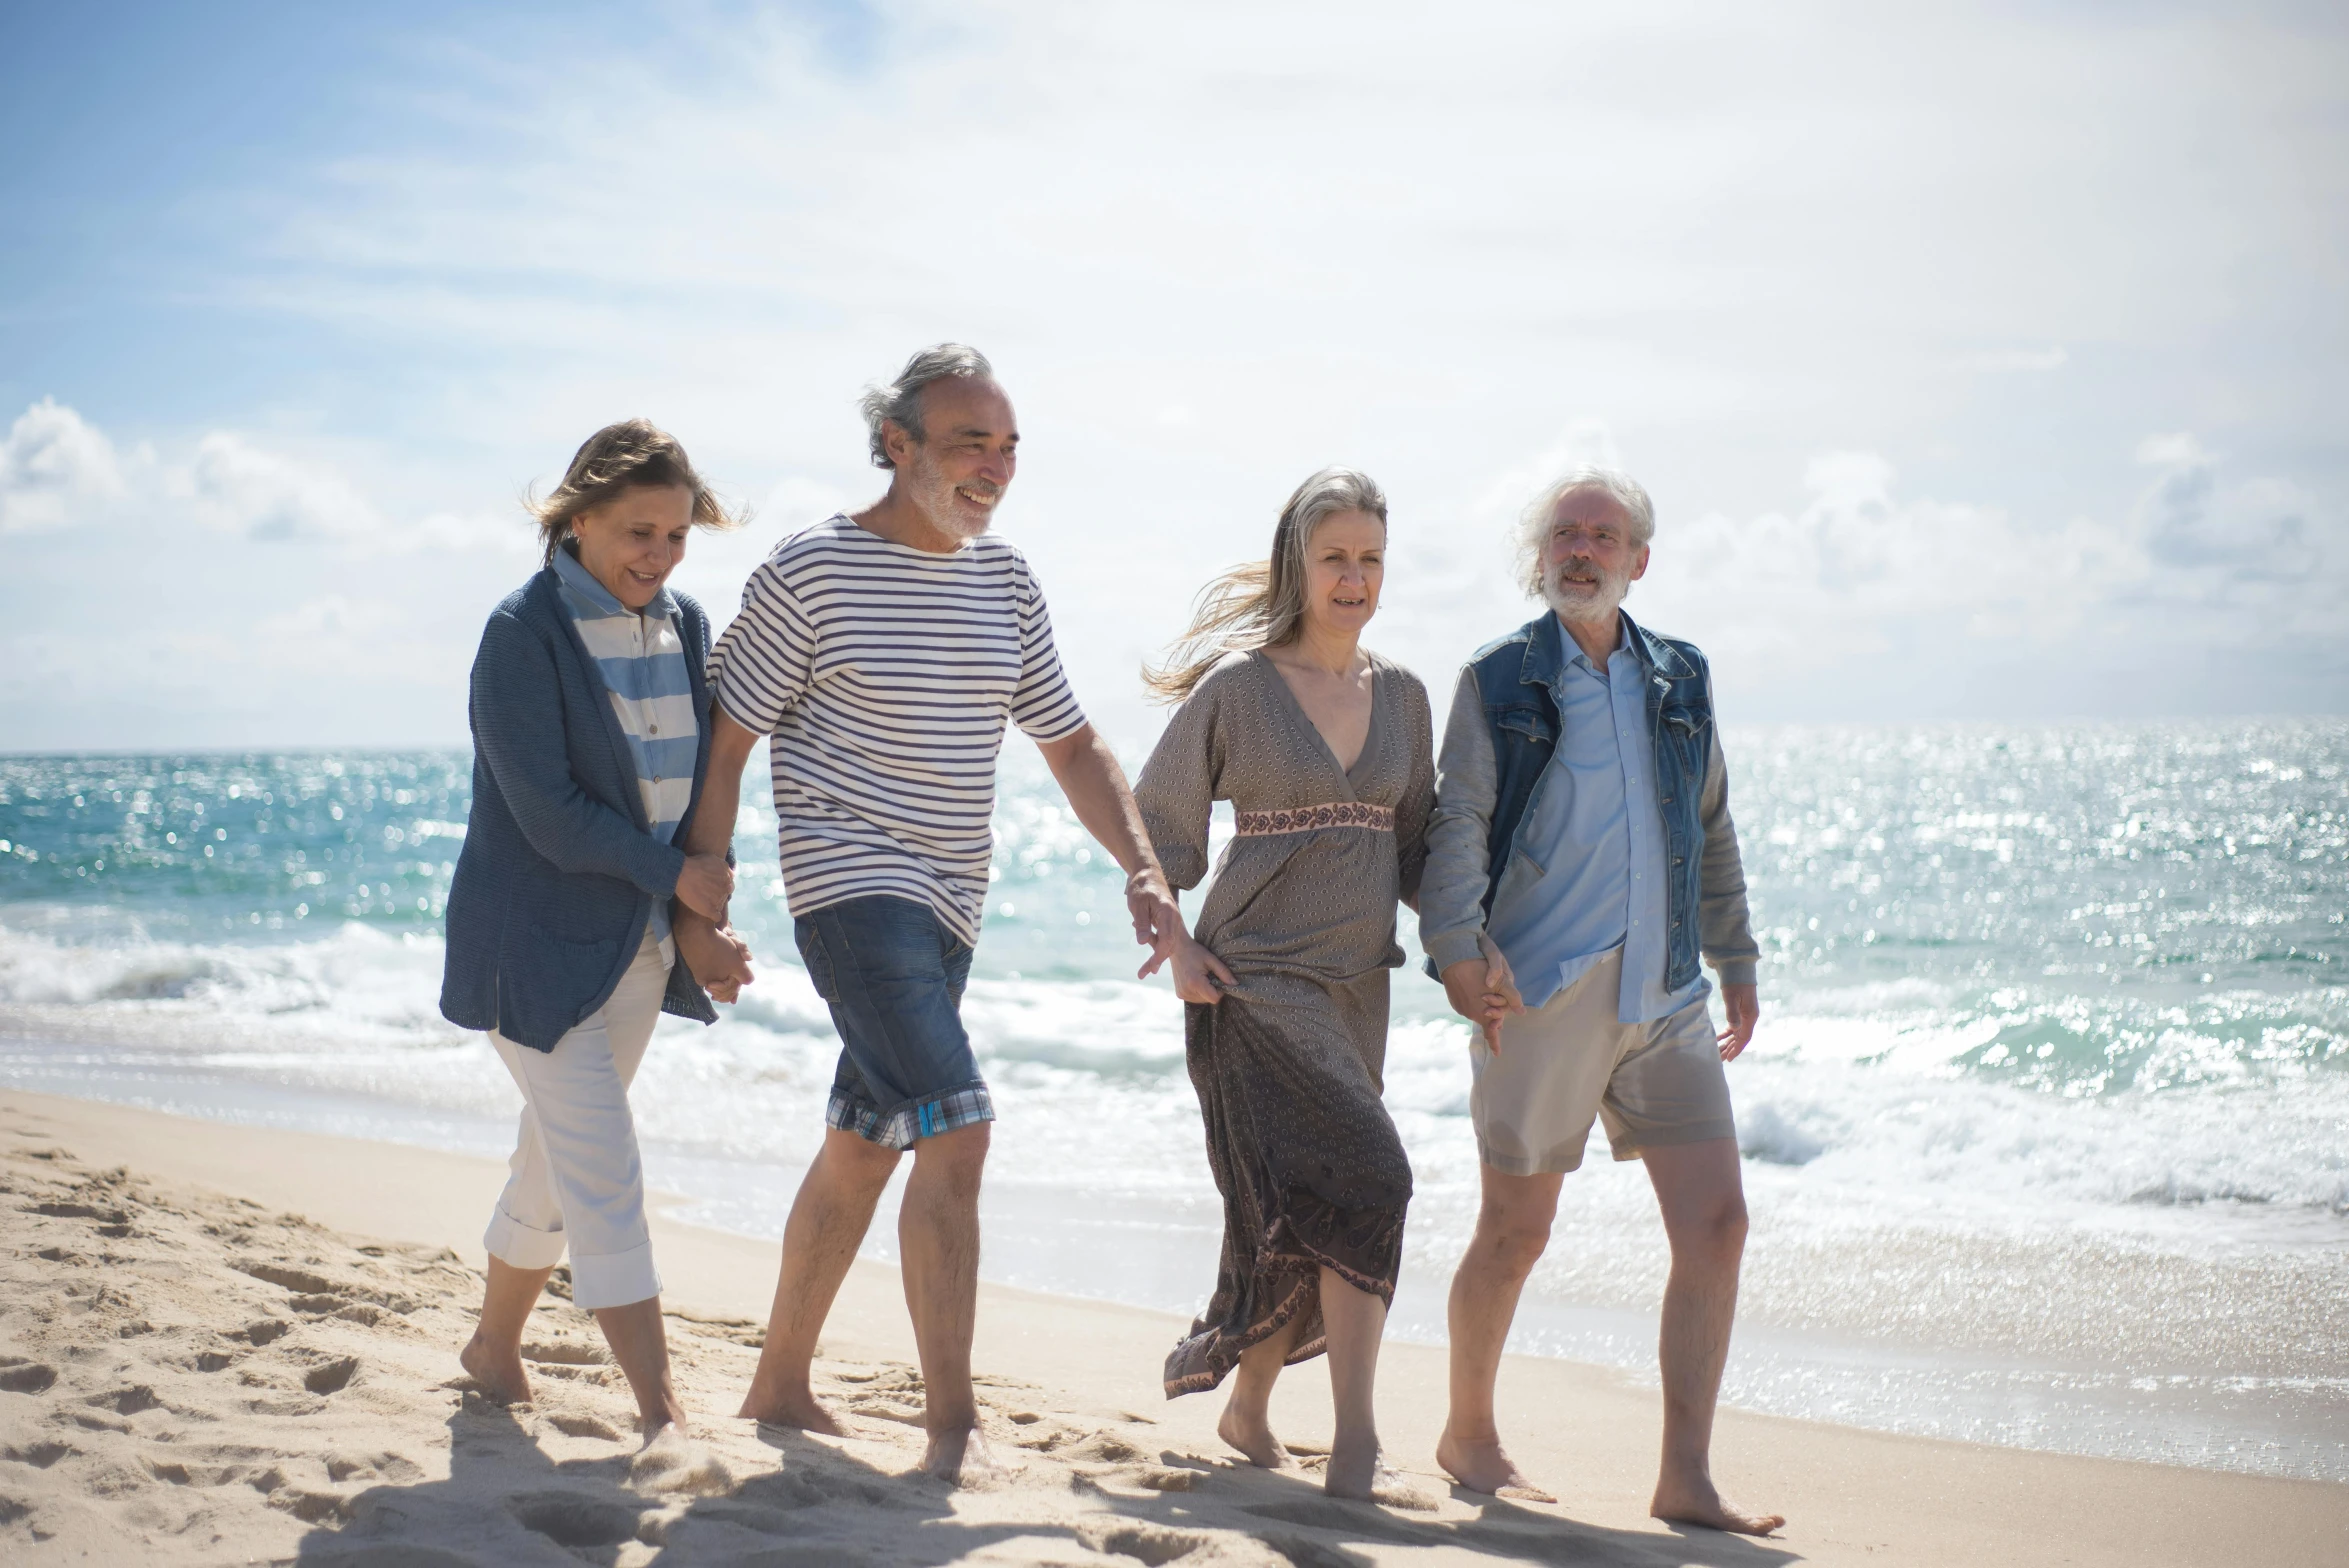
(1575, 602)
(946, 511)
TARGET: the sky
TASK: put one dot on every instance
(1986, 362)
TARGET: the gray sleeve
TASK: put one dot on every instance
(1725, 929)
(1418, 802)
(1452, 887)
(1177, 790)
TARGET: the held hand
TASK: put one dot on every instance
(1158, 919)
(716, 957)
(1483, 992)
(705, 884)
(1499, 979)
(1198, 974)
(1743, 1004)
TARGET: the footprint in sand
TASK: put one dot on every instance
(19, 1376)
(331, 1377)
(576, 1519)
(674, 1462)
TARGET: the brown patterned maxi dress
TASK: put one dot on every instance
(1288, 1065)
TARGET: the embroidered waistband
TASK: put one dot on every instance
(1305, 819)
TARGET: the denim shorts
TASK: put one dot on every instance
(893, 976)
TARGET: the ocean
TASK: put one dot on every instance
(2046, 1129)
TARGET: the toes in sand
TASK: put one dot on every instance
(1486, 1467)
(798, 1414)
(965, 1458)
(501, 1377)
(1703, 1505)
(1254, 1439)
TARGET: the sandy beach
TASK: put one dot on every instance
(229, 1345)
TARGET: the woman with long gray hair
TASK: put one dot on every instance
(1325, 751)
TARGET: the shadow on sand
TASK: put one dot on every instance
(507, 1503)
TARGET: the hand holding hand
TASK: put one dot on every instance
(705, 885)
(717, 958)
(1483, 990)
(1743, 1004)
(1158, 919)
(1197, 973)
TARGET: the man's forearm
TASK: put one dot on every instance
(1097, 792)
(1452, 885)
(1724, 924)
(711, 832)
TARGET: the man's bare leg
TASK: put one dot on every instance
(1246, 1422)
(1703, 1201)
(1512, 1228)
(938, 1239)
(828, 1222)
(493, 1357)
(1355, 1320)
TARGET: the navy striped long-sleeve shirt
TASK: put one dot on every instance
(886, 675)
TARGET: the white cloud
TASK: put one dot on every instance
(2009, 361)
(2200, 562)
(2218, 535)
(55, 470)
(2178, 449)
(240, 488)
(1933, 251)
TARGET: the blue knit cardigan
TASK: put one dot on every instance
(560, 869)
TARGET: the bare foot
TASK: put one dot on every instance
(1358, 1473)
(798, 1409)
(671, 1461)
(1353, 1469)
(963, 1457)
(498, 1372)
(1253, 1437)
(1485, 1466)
(1696, 1502)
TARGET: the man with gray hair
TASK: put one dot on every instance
(1582, 850)
(882, 653)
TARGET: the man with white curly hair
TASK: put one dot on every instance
(1580, 861)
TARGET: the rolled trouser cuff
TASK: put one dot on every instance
(616, 1279)
(524, 1246)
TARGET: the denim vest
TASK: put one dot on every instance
(1518, 677)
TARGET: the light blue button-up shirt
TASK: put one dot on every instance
(1598, 834)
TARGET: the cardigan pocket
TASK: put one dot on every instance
(554, 978)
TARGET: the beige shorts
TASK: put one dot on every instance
(1571, 1061)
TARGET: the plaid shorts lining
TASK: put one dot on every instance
(903, 1127)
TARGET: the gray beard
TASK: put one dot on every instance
(1593, 605)
(936, 498)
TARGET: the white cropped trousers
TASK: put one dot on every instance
(577, 1179)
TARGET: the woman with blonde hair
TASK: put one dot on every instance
(590, 722)
(1325, 751)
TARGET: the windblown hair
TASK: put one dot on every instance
(1261, 604)
(631, 454)
(1533, 527)
(900, 401)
